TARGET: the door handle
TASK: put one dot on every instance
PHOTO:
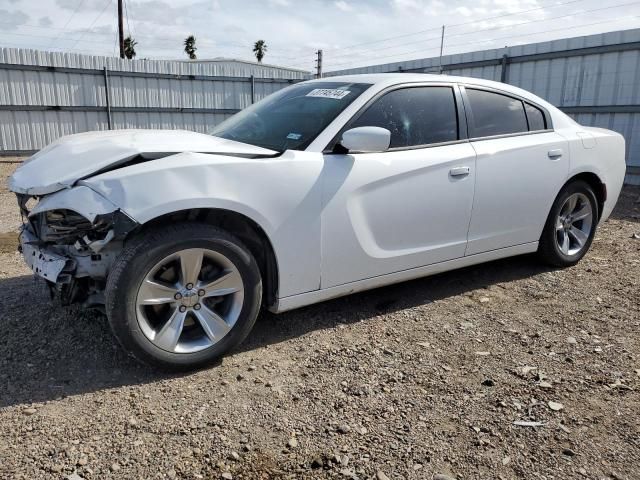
(555, 153)
(459, 171)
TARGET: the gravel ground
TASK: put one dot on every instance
(9, 214)
(422, 380)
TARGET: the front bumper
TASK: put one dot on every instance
(71, 239)
(43, 261)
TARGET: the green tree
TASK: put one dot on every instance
(190, 47)
(130, 47)
(259, 50)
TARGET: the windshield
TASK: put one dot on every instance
(292, 118)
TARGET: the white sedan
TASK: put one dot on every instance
(322, 189)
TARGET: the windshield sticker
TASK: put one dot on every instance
(334, 93)
(294, 136)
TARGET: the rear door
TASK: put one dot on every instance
(521, 165)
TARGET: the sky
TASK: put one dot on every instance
(351, 33)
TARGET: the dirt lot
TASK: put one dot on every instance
(408, 382)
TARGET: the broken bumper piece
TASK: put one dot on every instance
(43, 262)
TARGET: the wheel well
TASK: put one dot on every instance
(599, 188)
(248, 231)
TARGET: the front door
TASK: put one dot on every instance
(404, 208)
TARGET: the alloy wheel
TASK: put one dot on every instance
(574, 224)
(190, 300)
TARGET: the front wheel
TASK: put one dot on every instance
(182, 296)
(571, 225)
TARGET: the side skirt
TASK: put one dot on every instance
(303, 299)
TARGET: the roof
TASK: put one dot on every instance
(383, 80)
(396, 78)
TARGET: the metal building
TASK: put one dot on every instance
(594, 78)
(44, 95)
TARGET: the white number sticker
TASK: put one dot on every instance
(334, 93)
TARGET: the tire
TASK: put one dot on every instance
(553, 248)
(161, 256)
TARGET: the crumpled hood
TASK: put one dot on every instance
(74, 157)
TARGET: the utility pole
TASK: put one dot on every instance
(319, 64)
(441, 48)
(120, 29)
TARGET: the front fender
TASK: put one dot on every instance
(282, 195)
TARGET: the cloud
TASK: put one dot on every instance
(464, 11)
(342, 5)
(45, 22)
(372, 32)
(81, 6)
(160, 12)
(12, 20)
(514, 5)
(426, 7)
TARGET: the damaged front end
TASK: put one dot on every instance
(71, 239)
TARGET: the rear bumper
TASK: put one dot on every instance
(614, 182)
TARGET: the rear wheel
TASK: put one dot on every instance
(182, 296)
(571, 225)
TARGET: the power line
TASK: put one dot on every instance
(126, 9)
(109, 2)
(155, 38)
(115, 37)
(626, 17)
(80, 3)
(493, 39)
(362, 51)
(554, 5)
(31, 35)
(500, 27)
(165, 40)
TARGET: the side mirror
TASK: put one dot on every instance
(366, 140)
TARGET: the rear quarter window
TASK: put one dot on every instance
(535, 117)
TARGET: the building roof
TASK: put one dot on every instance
(244, 62)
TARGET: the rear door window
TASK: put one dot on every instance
(495, 114)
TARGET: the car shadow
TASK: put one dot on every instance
(50, 352)
(272, 329)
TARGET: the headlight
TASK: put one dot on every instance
(77, 213)
(65, 222)
(60, 226)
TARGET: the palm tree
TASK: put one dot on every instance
(130, 47)
(259, 50)
(190, 47)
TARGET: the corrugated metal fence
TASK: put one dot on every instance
(595, 79)
(45, 95)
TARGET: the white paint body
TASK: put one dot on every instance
(339, 223)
